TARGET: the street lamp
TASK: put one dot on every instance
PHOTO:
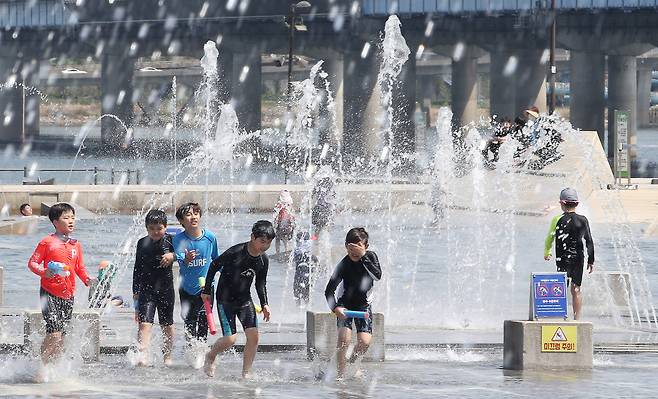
(552, 68)
(292, 26)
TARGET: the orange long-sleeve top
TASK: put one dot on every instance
(65, 250)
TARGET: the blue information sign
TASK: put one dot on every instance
(549, 295)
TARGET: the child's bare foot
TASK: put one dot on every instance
(168, 361)
(40, 375)
(142, 359)
(209, 366)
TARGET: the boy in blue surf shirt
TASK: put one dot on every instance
(195, 249)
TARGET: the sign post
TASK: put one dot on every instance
(548, 296)
(622, 161)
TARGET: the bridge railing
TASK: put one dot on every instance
(35, 13)
(384, 7)
(132, 176)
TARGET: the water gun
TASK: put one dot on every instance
(355, 314)
(59, 268)
(206, 304)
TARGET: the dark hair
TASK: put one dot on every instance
(357, 235)
(56, 210)
(23, 206)
(570, 204)
(187, 207)
(156, 216)
(263, 228)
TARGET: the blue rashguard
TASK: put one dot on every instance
(206, 250)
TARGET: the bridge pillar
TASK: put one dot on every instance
(117, 70)
(224, 75)
(360, 107)
(622, 95)
(331, 130)
(246, 89)
(587, 91)
(19, 103)
(502, 87)
(32, 98)
(530, 81)
(404, 106)
(426, 94)
(464, 90)
(643, 93)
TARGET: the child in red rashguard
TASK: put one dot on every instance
(57, 260)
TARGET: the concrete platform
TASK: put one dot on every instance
(80, 211)
(20, 225)
(547, 345)
(584, 167)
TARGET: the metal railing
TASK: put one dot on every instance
(132, 175)
(384, 7)
(35, 13)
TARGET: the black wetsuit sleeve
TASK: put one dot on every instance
(261, 281)
(589, 243)
(371, 264)
(167, 244)
(138, 268)
(330, 291)
(215, 266)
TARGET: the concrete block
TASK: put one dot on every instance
(21, 225)
(11, 328)
(523, 346)
(321, 336)
(80, 212)
(83, 333)
(40, 197)
(266, 200)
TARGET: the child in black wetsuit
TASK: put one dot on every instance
(569, 230)
(153, 285)
(239, 266)
(357, 271)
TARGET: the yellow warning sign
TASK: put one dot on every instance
(559, 338)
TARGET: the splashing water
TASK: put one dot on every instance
(82, 135)
(395, 53)
(480, 203)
